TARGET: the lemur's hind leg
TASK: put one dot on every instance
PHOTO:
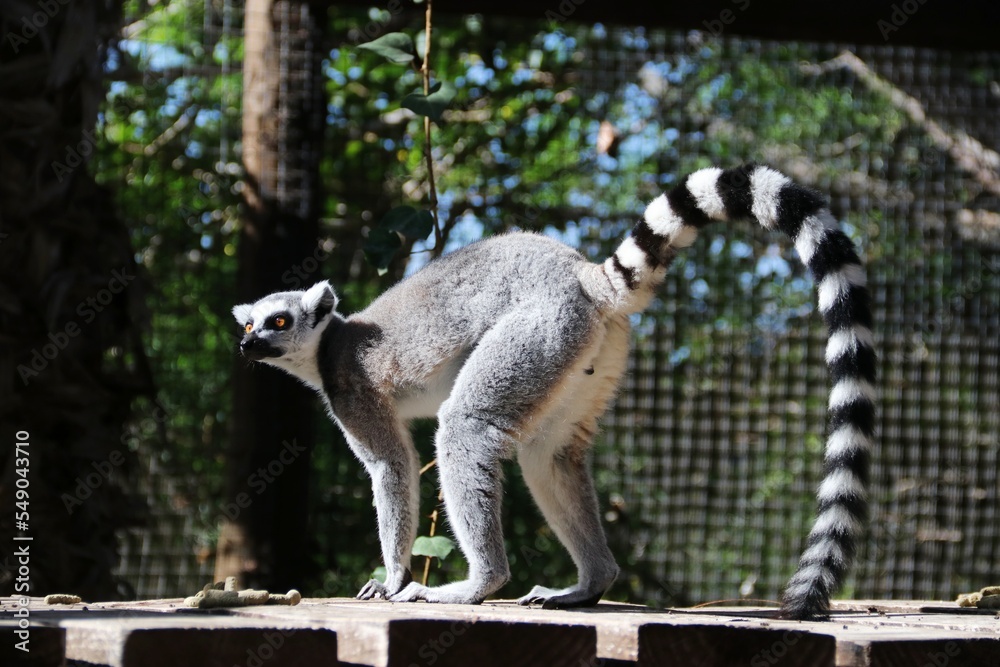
(563, 488)
(556, 469)
(506, 382)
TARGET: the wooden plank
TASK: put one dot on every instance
(952, 652)
(668, 645)
(46, 645)
(726, 636)
(910, 607)
(907, 633)
(489, 643)
(209, 640)
(383, 634)
(614, 624)
(905, 648)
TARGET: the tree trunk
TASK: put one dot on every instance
(72, 359)
(264, 539)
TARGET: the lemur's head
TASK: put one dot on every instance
(284, 329)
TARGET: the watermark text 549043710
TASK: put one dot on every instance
(22, 539)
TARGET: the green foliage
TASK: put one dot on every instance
(402, 222)
(438, 546)
(395, 47)
(385, 240)
(408, 221)
(381, 246)
(433, 104)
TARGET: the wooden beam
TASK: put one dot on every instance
(166, 640)
(46, 645)
(382, 634)
(873, 633)
(668, 644)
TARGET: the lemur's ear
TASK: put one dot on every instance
(320, 300)
(242, 313)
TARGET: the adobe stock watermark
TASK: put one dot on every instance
(86, 485)
(541, 546)
(87, 311)
(259, 480)
(954, 299)
(434, 649)
(564, 11)
(671, 592)
(715, 27)
(943, 657)
(376, 27)
(265, 650)
(300, 274)
(30, 25)
(76, 155)
(898, 17)
(778, 650)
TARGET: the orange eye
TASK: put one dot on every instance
(248, 328)
(279, 322)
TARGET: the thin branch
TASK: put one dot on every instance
(171, 132)
(434, 519)
(982, 163)
(427, 559)
(426, 72)
(168, 135)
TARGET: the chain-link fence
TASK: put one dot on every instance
(709, 461)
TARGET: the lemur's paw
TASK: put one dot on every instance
(377, 589)
(564, 598)
(411, 593)
(460, 592)
(373, 589)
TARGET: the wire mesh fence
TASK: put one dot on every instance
(714, 441)
(709, 461)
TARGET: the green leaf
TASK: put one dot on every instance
(396, 47)
(432, 105)
(409, 222)
(380, 573)
(420, 41)
(381, 246)
(438, 546)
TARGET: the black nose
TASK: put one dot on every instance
(250, 345)
(254, 348)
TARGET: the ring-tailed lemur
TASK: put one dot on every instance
(517, 344)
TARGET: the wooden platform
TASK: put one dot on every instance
(383, 634)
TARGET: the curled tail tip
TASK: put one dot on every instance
(807, 594)
(806, 606)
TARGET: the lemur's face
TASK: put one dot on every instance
(283, 328)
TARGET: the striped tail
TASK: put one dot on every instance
(672, 221)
